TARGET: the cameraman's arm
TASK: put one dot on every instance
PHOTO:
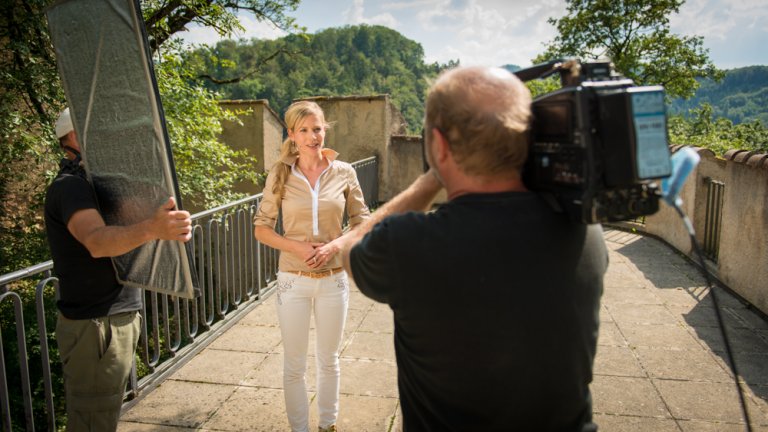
(417, 197)
(101, 240)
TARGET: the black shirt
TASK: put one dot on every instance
(88, 287)
(495, 300)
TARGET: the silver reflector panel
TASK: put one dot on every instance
(115, 106)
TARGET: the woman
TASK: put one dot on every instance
(312, 189)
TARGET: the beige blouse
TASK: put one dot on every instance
(313, 213)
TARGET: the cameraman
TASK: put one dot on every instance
(495, 295)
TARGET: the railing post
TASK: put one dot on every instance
(23, 366)
(713, 217)
(44, 352)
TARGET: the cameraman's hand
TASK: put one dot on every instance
(171, 224)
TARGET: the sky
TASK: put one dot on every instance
(501, 32)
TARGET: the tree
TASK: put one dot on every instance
(635, 35)
(30, 97)
(164, 18)
(206, 167)
(719, 134)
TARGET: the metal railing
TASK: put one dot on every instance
(368, 176)
(713, 218)
(234, 271)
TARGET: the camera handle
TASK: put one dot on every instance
(570, 71)
(683, 163)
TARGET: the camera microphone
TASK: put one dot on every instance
(683, 162)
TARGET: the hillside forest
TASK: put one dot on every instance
(741, 97)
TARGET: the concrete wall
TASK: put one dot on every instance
(363, 127)
(742, 263)
(261, 129)
(406, 163)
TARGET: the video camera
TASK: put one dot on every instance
(598, 143)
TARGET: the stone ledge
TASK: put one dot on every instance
(747, 157)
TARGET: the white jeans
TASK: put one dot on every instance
(297, 297)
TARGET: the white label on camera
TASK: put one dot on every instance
(650, 123)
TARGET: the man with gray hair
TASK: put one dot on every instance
(495, 294)
(98, 326)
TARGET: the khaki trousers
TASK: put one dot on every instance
(96, 356)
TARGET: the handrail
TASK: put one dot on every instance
(235, 273)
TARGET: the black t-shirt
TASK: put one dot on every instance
(88, 287)
(496, 301)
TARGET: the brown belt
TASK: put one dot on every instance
(316, 274)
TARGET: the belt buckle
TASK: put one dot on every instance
(317, 274)
(322, 274)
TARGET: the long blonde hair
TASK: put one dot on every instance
(294, 115)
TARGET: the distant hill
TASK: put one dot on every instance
(742, 96)
(351, 60)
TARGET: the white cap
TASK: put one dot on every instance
(64, 124)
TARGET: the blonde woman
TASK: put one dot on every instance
(312, 189)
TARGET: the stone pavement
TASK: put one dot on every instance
(660, 364)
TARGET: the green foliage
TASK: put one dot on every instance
(30, 95)
(740, 97)
(539, 87)
(164, 19)
(356, 60)
(705, 130)
(635, 35)
(207, 168)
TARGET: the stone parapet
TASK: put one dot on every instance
(738, 229)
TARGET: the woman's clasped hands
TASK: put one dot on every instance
(320, 254)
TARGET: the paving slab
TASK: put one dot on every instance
(625, 423)
(670, 336)
(251, 409)
(702, 426)
(627, 396)
(701, 400)
(206, 366)
(630, 313)
(179, 403)
(684, 296)
(618, 361)
(365, 345)
(686, 365)
(256, 339)
(630, 295)
(610, 335)
(365, 377)
(366, 413)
